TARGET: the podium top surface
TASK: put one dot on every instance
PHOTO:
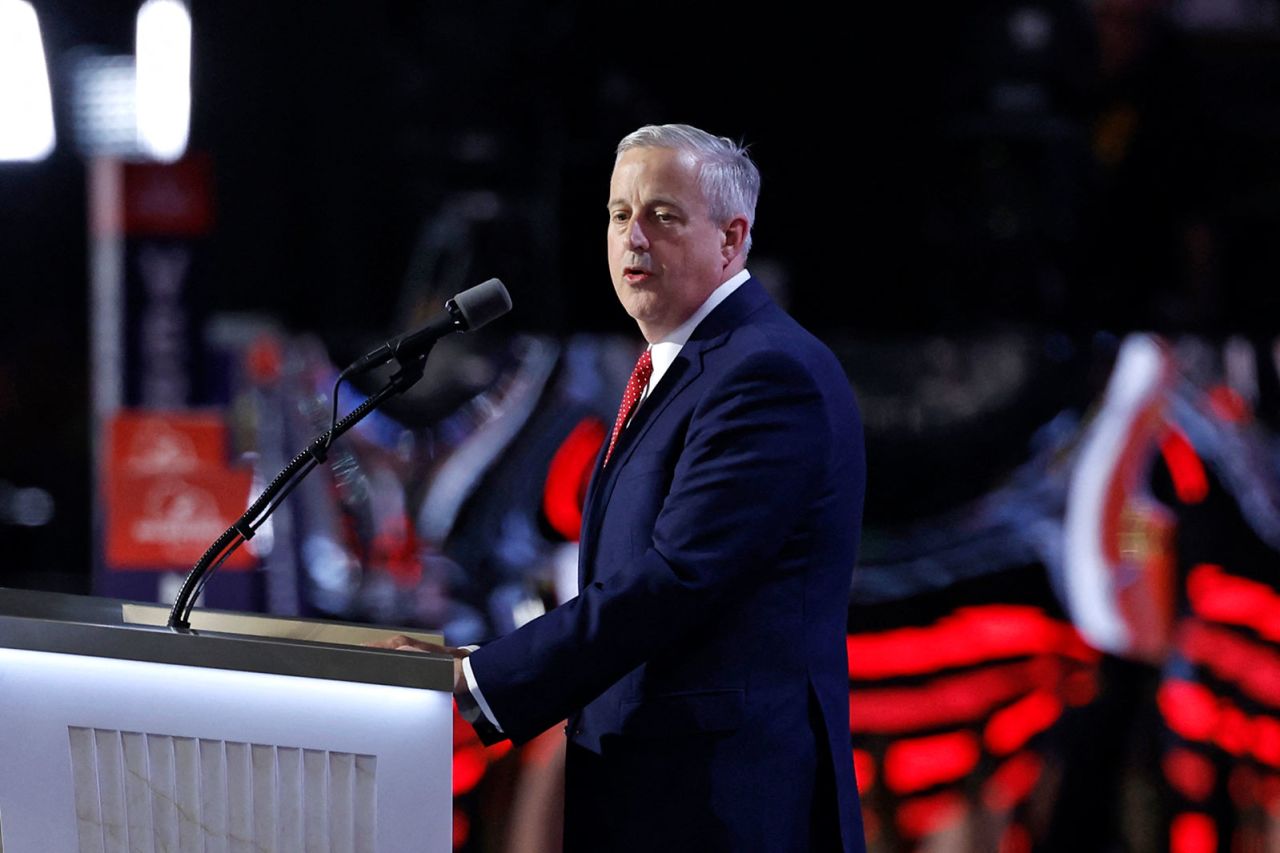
(109, 628)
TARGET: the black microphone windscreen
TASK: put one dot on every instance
(483, 303)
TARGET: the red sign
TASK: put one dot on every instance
(169, 199)
(169, 491)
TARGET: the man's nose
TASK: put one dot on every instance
(636, 237)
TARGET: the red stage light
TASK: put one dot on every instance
(864, 767)
(968, 636)
(1220, 597)
(1016, 839)
(920, 763)
(953, 699)
(1190, 710)
(924, 815)
(1234, 658)
(1010, 728)
(1193, 833)
(1012, 782)
(566, 487)
(1190, 773)
(1189, 479)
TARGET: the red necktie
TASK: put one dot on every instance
(631, 397)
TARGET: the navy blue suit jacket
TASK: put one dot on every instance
(703, 666)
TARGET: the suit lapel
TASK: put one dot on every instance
(679, 376)
(688, 365)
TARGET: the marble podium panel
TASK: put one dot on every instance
(142, 739)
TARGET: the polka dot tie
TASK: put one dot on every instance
(635, 387)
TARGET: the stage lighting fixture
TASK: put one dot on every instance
(26, 109)
(104, 112)
(163, 57)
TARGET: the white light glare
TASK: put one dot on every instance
(163, 48)
(26, 109)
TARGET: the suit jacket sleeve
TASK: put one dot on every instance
(754, 457)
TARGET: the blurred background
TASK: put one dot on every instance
(1041, 236)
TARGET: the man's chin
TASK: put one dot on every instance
(641, 308)
(637, 297)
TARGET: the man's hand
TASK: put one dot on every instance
(401, 643)
(470, 710)
(407, 644)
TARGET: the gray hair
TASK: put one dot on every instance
(730, 182)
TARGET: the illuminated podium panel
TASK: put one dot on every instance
(250, 734)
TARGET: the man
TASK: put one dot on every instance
(702, 668)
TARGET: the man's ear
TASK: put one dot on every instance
(734, 238)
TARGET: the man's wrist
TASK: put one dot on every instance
(459, 675)
(472, 707)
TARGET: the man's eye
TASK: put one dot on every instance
(618, 216)
(663, 216)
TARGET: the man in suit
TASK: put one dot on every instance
(702, 667)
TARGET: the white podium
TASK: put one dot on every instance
(249, 734)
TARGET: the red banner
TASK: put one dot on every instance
(169, 491)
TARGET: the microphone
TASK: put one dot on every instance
(469, 310)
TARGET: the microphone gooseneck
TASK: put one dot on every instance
(469, 310)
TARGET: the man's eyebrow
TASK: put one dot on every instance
(656, 201)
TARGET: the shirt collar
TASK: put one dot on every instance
(664, 352)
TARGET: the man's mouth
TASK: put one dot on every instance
(635, 275)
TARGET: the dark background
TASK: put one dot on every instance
(950, 173)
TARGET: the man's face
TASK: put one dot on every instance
(665, 253)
